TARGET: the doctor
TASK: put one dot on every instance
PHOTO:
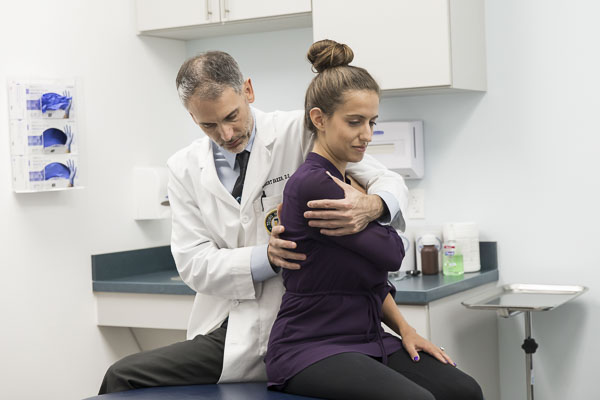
(224, 190)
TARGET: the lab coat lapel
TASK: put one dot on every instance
(260, 161)
(210, 180)
(259, 166)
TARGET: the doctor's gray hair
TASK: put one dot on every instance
(330, 60)
(207, 75)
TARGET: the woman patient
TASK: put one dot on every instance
(327, 340)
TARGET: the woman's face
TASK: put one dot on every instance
(349, 130)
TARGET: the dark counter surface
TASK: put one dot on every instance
(153, 271)
(138, 271)
(427, 288)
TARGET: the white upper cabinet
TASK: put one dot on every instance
(193, 19)
(407, 45)
(410, 44)
(163, 14)
(235, 10)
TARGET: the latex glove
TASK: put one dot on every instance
(67, 94)
(72, 172)
(54, 101)
(69, 134)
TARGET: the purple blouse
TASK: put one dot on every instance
(333, 303)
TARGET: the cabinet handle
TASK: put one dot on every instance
(208, 10)
(226, 7)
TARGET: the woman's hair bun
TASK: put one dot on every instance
(329, 54)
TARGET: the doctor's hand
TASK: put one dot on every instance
(279, 251)
(345, 216)
(413, 343)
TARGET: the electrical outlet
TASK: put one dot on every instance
(416, 204)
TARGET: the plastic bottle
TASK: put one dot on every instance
(452, 259)
(429, 255)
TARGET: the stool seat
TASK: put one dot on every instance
(224, 391)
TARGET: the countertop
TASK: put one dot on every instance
(427, 288)
(153, 271)
(149, 270)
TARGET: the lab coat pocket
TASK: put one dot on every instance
(268, 207)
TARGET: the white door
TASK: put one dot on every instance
(402, 43)
(164, 14)
(233, 10)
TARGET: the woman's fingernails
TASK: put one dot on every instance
(416, 358)
(454, 364)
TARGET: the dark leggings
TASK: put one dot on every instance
(355, 376)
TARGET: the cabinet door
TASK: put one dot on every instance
(233, 10)
(402, 43)
(164, 14)
(469, 336)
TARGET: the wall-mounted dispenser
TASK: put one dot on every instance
(399, 146)
(44, 135)
(150, 193)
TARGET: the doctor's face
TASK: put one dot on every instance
(227, 120)
(345, 134)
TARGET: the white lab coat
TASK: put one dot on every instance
(213, 235)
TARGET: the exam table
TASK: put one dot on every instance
(224, 391)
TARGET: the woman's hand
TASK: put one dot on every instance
(411, 340)
(413, 343)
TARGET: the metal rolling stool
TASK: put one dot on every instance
(510, 300)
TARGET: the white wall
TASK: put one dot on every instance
(521, 159)
(50, 346)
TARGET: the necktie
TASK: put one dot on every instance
(242, 160)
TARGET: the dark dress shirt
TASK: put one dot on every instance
(333, 303)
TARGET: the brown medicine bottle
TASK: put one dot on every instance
(429, 255)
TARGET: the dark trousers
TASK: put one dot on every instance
(355, 376)
(192, 362)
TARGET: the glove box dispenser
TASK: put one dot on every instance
(399, 146)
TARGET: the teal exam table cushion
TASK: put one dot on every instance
(224, 391)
